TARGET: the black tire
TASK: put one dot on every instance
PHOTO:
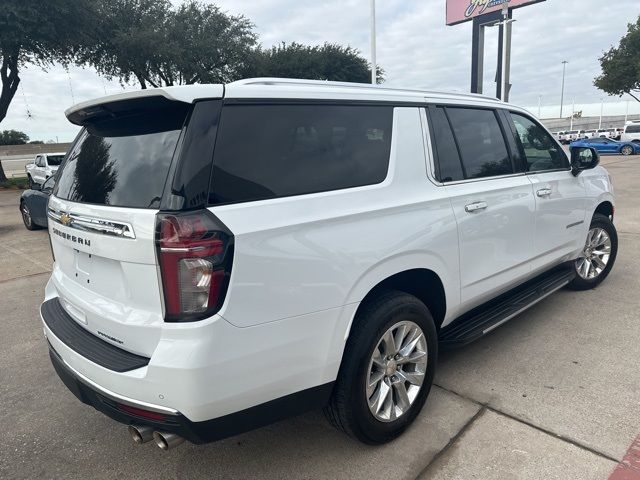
(30, 181)
(605, 223)
(27, 218)
(348, 409)
(626, 150)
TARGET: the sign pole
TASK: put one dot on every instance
(373, 43)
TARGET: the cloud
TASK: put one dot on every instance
(414, 47)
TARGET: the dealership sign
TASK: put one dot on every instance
(459, 11)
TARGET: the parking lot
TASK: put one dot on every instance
(553, 394)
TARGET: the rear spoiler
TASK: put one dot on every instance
(112, 105)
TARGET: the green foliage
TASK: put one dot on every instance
(40, 33)
(325, 62)
(13, 137)
(158, 45)
(621, 65)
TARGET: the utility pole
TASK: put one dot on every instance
(564, 67)
(373, 43)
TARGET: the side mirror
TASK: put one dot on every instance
(36, 186)
(583, 158)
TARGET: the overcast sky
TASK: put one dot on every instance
(415, 48)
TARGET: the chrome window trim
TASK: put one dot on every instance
(92, 224)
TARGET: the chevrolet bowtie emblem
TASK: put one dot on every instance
(65, 219)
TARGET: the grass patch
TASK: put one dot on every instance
(19, 183)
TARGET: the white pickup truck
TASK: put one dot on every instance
(43, 167)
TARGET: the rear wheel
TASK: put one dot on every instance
(598, 255)
(626, 150)
(387, 369)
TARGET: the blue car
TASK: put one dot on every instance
(606, 145)
(33, 205)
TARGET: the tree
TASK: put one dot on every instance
(38, 33)
(325, 62)
(158, 45)
(13, 137)
(621, 65)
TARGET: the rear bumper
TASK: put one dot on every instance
(169, 420)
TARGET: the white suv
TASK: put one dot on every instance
(43, 166)
(227, 256)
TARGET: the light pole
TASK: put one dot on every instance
(539, 101)
(626, 113)
(601, 108)
(564, 67)
(573, 111)
(373, 42)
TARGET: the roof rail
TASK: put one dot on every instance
(327, 83)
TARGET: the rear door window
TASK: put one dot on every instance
(122, 162)
(270, 151)
(448, 158)
(480, 142)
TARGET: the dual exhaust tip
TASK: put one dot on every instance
(164, 441)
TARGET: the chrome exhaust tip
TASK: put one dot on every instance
(166, 441)
(140, 434)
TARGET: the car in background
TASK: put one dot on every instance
(588, 134)
(615, 133)
(571, 136)
(631, 133)
(606, 145)
(45, 165)
(559, 136)
(603, 133)
(33, 204)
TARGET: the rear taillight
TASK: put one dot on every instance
(195, 253)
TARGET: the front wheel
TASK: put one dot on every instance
(27, 219)
(626, 150)
(387, 369)
(598, 255)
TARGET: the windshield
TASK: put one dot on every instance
(54, 160)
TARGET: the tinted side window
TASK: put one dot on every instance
(450, 167)
(540, 151)
(481, 143)
(269, 151)
(633, 129)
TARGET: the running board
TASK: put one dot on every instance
(491, 315)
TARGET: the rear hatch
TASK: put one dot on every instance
(102, 218)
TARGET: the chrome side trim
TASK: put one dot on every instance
(575, 224)
(116, 397)
(505, 320)
(92, 224)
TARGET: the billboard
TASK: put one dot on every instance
(459, 11)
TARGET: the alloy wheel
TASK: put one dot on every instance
(595, 254)
(627, 150)
(396, 371)
(26, 214)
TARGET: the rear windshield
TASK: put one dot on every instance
(122, 162)
(270, 151)
(54, 160)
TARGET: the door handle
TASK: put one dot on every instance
(544, 192)
(475, 206)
